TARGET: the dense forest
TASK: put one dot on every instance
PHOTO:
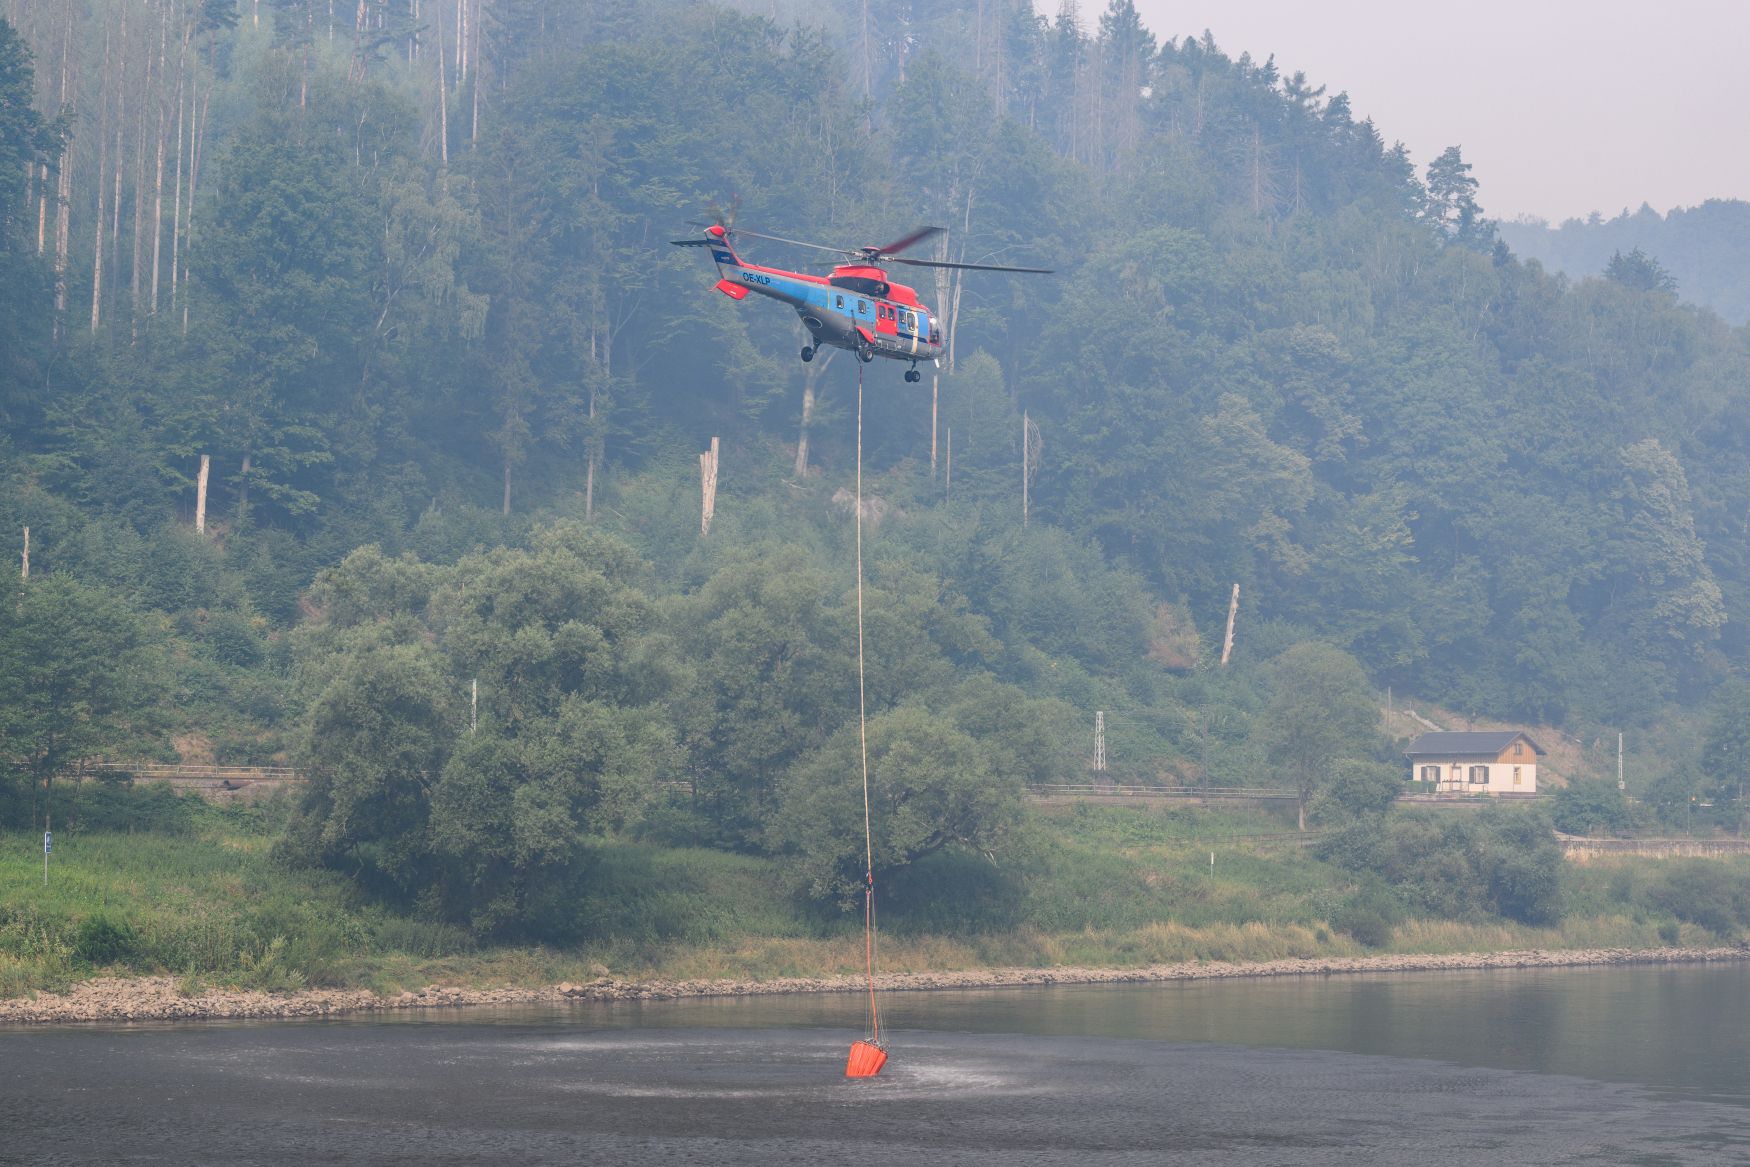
(1704, 250)
(398, 271)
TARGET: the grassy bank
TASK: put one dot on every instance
(202, 897)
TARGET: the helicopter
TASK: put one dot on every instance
(856, 307)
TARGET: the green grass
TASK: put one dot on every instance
(205, 900)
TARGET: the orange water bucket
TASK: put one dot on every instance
(866, 1060)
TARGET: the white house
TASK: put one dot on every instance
(1475, 762)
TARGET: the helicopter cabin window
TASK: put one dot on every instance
(839, 303)
(862, 307)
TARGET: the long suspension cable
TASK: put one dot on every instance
(863, 742)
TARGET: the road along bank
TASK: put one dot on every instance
(113, 999)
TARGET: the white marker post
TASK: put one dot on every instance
(48, 845)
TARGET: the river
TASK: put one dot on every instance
(1637, 1065)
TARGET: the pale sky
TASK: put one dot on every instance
(1561, 107)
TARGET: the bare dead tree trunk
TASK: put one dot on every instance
(243, 493)
(181, 136)
(200, 495)
(1233, 610)
(443, 99)
(935, 413)
(121, 121)
(868, 58)
(158, 204)
(137, 266)
(954, 317)
(707, 487)
(63, 187)
(194, 174)
(1257, 175)
(589, 467)
(102, 164)
(42, 207)
(810, 378)
(601, 351)
(304, 67)
(474, 97)
(63, 231)
(1032, 445)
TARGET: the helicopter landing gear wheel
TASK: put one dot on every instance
(807, 353)
(865, 353)
(913, 375)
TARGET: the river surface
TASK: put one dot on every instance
(1599, 1066)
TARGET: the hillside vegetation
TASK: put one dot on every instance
(406, 285)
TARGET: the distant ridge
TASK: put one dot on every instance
(1705, 248)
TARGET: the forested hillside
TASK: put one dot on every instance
(400, 270)
(1704, 251)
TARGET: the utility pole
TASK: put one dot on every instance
(24, 568)
(1100, 742)
(1620, 784)
(474, 705)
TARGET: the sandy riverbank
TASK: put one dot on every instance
(158, 998)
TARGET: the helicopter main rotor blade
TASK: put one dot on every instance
(781, 239)
(1039, 271)
(916, 237)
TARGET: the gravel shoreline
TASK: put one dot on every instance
(110, 999)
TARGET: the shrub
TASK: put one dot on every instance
(1453, 866)
(100, 941)
(1582, 808)
(1699, 891)
(1369, 916)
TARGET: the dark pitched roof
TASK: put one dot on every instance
(1491, 742)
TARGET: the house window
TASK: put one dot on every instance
(1479, 775)
(1518, 749)
(1431, 773)
(1516, 775)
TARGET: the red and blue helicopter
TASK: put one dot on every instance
(856, 307)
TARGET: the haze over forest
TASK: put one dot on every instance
(406, 281)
